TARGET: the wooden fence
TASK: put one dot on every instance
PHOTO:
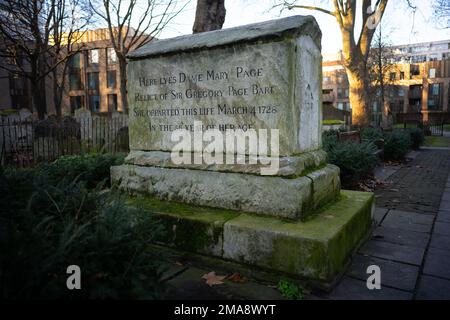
(26, 142)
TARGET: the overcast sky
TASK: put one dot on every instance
(404, 27)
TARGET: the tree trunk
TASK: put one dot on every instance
(210, 15)
(359, 98)
(123, 81)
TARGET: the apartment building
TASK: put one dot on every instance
(92, 79)
(417, 83)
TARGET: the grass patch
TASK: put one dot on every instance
(437, 142)
(332, 122)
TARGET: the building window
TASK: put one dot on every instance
(76, 102)
(392, 76)
(401, 92)
(435, 89)
(112, 102)
(434, 96)
(75, 80)
(402, 75)
(93, 57)
(93, 81)
(74, 61)
(94, 103)
(111, 55)
(341, 106)
(432, 73)
(111, 79)
(415, 70)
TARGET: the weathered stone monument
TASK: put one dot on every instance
(261, 82)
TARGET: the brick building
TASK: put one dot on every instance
(418, 82)
(92, 79)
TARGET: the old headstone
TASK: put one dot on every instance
(260, 82)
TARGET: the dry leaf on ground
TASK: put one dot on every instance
(236, 277)
(213, 279)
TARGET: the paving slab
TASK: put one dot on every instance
(401, 236)
(393, 274)
(353, 289)
(440, 241)
(437, 263)
(445, 205)
(379, 214)
(411, 221)
(443, 216)
(190, 285)
(432, 288)
(394, 252)
(442, 228)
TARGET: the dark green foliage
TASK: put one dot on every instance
(417, 137)
(397, 145)
(371, 134)
(47, 224)
(356, 160)
(290, 290)
(329, 139)
(92, 168)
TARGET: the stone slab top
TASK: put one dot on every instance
(272, 29)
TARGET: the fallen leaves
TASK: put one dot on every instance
(213, 279)
(236, 277)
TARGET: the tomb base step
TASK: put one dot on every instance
(316, 251)
(290, 198)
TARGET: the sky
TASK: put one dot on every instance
(403, 26)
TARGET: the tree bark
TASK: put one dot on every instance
(123, 81)
(359, 98)
(209, 16)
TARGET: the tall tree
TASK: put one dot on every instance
(381, 65)
(355, 45)
(209, 16)
(133, 23)
(442, 12)
(69, 20)
(27, 28)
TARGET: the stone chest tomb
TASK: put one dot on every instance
(261, 78)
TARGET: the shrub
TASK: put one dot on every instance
(397, 144)
(329, 139)
(356, 160)
(50, 224)
(417, 137)
(371, 134)
(92, 168)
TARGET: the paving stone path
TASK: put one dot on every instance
(410, 244)
(411, 241)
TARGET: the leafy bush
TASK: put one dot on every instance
(397, 144)
(371, 134)
(417, 137)
(356, 160)
(92, 168)
(50, 224)
(329, 139)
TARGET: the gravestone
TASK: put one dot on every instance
(252, 94)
